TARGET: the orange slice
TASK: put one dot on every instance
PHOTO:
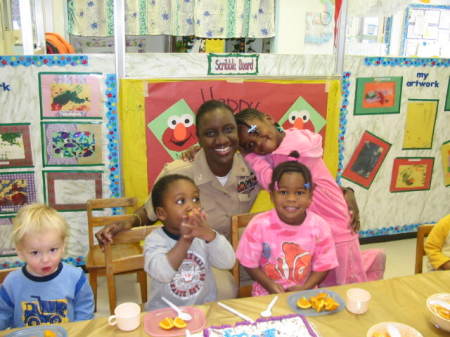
(179, 323)
(167, 323)
(303, 303)
(49, 333)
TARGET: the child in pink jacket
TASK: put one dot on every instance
(267, 146)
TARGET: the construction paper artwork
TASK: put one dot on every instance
(419, 124)
(377, 95)
(16, 189)
(72, 143)
(366, 160)
(70, 95)
(15, 147)
(6, 246)
(411, 174)
(445, 155)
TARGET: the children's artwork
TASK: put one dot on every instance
(73, 144)
(420, 121)
(16, 189)
(70, 95)
(15, 147)
(411, 174)
(447, 97)
(69, 190)
(378, 95)
(175, 128)
(6, 245)
(366, 159)
(445, 155)
(302, 115)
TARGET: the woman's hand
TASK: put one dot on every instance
(190, 153)
(106, 234)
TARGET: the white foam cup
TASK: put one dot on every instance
(358, 300)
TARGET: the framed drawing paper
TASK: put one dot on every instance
(366, 160)
(16, 189)
(445, 155)
(447, 97)
(6, 246)
(70, 95)
(69, 190)
(411, 174)
(73, 144)
(15, 146)
(419, 125)
(378, 95)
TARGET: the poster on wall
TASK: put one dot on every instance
(419, 124)
(445, 155)
(70, 95)
(15, 146)
(447, 97)
(411, 174)
(166, 102)
(366, 160)
(302, 115)
(6, 246)
(16, 189)
(69, 190)
(378, 95)
(70, 143)
(175, 128)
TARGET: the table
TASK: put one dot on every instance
(400, 299)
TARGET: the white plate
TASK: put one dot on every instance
(404, 329)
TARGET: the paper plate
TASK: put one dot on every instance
(405, 330)
(38, 331)
(152, 319)
(292, 301)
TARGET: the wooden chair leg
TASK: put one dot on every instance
(142, 279)
(93, 283)
(111, 292)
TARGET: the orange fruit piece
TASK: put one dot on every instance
(179, 323)
(321, 295)
(303, 303)
(167, 323)
(49, 333)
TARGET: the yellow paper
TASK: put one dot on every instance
(419, 127)
(215, 46)
(445, 155)
(411, 176)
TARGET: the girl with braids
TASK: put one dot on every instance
(266, 145)
(288, 248)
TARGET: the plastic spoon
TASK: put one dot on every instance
(393, 331)
(180, 313)
(268, 311)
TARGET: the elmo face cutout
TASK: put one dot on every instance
(180, 134)
(302, 115)
(299, 120)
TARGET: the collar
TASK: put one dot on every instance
(42, 278)
(203, 175)
(171, 235)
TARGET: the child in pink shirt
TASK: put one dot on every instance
(267, 147)
(288, 248)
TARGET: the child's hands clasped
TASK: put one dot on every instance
(194, 225)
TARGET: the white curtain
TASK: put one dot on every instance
(201, 18)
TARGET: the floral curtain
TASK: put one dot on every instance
(201, 18)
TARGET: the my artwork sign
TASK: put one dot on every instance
(232, 64)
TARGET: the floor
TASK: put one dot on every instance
(400, 262)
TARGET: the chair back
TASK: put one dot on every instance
(422, 233)
(238, 222)
(5, 272)
(102, 220)
(124, 264)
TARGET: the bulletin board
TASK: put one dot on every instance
(148, 105)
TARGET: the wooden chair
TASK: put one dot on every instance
(237, 222)
(422, 233)
(118, 264)
(5, 272)
(95, 262)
